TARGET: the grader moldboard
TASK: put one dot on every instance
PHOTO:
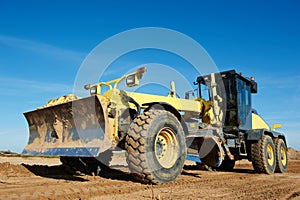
(159, 133)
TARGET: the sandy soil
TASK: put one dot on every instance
(45, 178)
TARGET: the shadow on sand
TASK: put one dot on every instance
(60, 172)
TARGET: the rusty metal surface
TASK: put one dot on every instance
(74, 128)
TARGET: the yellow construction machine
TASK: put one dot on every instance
(215, 128)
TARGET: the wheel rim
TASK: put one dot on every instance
(166, 148)
(270, 154)
(283, 156)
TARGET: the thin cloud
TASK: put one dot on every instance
(12, 131)
(292, 124)
(280, 82)
(282, 115)
(42, 48)
(14, 85)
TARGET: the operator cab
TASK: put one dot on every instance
(235, 91)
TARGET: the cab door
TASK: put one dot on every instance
(244, 105)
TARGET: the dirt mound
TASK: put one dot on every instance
(293, 154)
(10, 170)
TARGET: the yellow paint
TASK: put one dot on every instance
(166, 148)
(276, 126)
(270, 154)
(258, 122)
(118, 96)
(216, 110)
(192, 125)
(283, 156)
(113, 84)
(177, 103)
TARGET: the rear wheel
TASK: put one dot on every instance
(156, 148)
(281, 155)
(263, 155)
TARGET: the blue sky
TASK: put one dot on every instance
(43, 43)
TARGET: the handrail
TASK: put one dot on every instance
(115, 81)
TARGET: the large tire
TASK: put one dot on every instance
(281, 155)
(263, 155)
(156, 148)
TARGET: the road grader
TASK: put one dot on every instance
(217, 127)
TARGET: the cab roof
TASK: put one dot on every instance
(224, 74)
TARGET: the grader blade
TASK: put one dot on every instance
(75, 128)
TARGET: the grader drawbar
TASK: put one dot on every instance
(158, 133)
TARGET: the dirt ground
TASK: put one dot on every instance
(45, 178)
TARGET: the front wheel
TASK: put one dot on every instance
(263, 155)
(156, 148)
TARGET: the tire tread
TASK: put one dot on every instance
(136, 155)
(259, 162)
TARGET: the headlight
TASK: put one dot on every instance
(93, 90)
(130, 81)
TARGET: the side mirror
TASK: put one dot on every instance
(253, 87)
(276, 126)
